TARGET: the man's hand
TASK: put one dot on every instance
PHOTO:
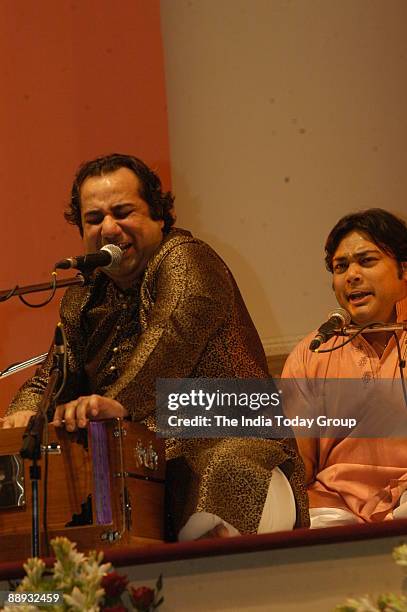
(17, 419)
(88, 407)
(220, 531)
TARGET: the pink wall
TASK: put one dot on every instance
(78, 79)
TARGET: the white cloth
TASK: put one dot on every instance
(331, 517)
(401, 511)
(279, 513)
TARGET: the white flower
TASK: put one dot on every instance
(76, 575)
(81, 601)
(400, 555)
(34, 569)
(363, 604)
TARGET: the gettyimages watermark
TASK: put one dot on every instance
(286, 408)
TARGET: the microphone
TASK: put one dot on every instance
(59, 340)
(109, 258)
(59, 359)
(337, 320)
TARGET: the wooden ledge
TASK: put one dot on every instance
(238, 545)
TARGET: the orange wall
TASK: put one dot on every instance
(78, 79)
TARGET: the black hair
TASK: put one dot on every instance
(386, 230)
(161, 204)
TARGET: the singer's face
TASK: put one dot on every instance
(113, 212)
(367, 281)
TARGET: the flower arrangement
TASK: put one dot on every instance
(384, 603)
(83, 583)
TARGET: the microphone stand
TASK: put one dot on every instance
(79, 279)
(351, 330)
(64, 282)
(32, 439)
(22, 365)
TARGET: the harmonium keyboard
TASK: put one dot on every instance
(105, 487)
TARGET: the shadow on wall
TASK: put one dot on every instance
(245, 275)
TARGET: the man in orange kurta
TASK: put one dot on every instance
(352, 479)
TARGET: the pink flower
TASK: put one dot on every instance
(142, 598)
(114, 584)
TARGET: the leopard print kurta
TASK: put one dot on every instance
(185, 318)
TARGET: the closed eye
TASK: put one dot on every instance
(122, 212)
(93, 218)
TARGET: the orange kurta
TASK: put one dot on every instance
(364, 475)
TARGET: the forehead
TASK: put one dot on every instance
(120, 185)
(355, 242)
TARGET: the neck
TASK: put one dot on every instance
(378, 341)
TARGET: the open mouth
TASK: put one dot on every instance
(358, 297)
(124, 246)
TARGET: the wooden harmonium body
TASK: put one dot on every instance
(105, 488)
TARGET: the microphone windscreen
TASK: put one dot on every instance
(341, 314)
(116, 254)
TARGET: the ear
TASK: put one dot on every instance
(404, 270)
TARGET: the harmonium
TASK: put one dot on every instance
(105, 487)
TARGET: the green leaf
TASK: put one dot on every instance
(159, 583)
